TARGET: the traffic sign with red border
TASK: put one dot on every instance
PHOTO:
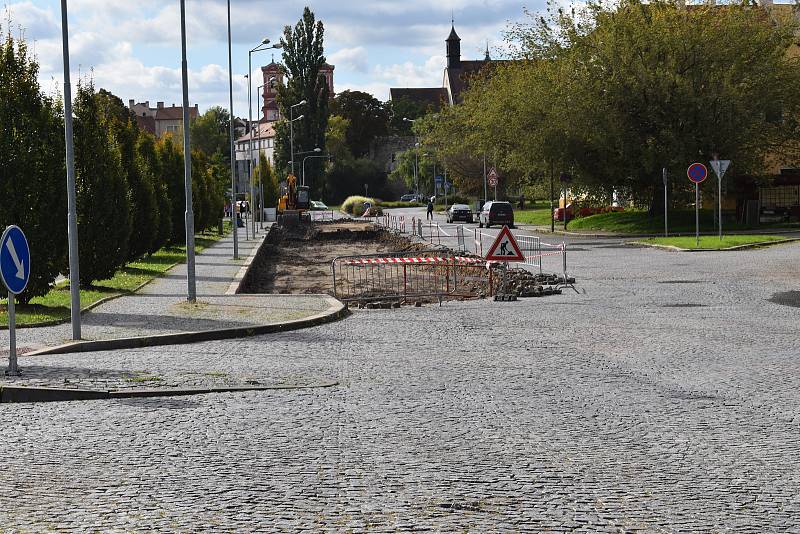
(697, 172)
(505, 248)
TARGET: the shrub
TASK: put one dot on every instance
(355, 205)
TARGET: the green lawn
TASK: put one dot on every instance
(56, 304)
(712, 242)
(539, 214)
(639, 222)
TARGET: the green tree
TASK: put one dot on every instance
(104, 218)
(138, 176)
(368, 118)
(151, 162)
(303, 57)
(210, 132)
(264, 173)
(170, 157)
(401, 109)
(32, 165)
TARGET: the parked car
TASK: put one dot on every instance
(318, 205)
(459, 212)
(496, 212)
(411, 197)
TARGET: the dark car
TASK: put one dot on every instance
(411, 197)
(459, 212)
(496, 212)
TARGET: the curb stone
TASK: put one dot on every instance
(335, 312)
(25, 394)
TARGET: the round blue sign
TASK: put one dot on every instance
(15, 260)
(697, 172)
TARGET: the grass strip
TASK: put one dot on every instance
(712, 242)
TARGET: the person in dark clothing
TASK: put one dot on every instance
(430, 209)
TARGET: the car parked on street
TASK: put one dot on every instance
(318, 205)
(459, 212)
(410, 197)
(496, 212)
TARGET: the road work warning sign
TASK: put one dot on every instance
(505, 248)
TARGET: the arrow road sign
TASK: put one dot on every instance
(15, 260)
(505, 248)
(720, 166)
(697, 172)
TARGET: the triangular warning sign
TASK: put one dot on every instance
(505, 248)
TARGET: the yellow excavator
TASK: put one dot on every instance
(295, 199)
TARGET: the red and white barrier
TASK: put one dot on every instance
(424, 259)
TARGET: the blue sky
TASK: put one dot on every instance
(132, 48)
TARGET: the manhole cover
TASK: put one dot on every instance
(787, 298)
(684, 305)
(683, 282)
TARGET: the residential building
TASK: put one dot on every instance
(161, 119)
(263, 142)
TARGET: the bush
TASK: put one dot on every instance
(355, 205)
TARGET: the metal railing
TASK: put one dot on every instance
(408, 276)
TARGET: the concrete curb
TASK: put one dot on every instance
(337, 310)
(671, 248)
(237, 280)
(19, 394)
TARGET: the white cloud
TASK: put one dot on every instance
(36, 23)
(410, 74)
(354, 59)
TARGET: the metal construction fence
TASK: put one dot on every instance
(408, 276)
(322, 215)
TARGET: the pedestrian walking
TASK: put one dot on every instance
(430, 209)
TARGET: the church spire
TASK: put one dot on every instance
(453, 48)
(487, 57)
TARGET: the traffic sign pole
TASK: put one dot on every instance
(12, 337)
(697, 213)
(666, 226)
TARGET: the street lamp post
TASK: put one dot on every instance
(254, 162)
(232, 132)
(187, 165)
(72, 217)
(291, 129)
(260, 48)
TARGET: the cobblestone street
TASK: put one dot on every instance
(664, 398)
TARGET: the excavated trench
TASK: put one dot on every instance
(297, 259)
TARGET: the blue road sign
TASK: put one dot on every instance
(438, 180)
(697, 172)
(15, 260)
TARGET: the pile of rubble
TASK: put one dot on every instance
(522, 283)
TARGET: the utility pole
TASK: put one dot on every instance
(187, 165)
(72, 214)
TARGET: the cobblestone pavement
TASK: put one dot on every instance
(663, 399)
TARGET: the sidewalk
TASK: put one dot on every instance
(160, 308)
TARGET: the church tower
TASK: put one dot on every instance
(453, 49)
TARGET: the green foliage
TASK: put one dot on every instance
(354, 205)
(32, 172)
(708, 242)
(103, 207)
(336, 138)
(138, 175)
(151, 164)
(401, 109)
(170, 156)
(349, 176)
(368, 118)
(263, 172)
(303, 56)
(210, 133)
(614, 92)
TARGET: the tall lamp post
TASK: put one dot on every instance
(72, 217)
(260, 48)
(232, 133)
(254, 162)
(187, 165)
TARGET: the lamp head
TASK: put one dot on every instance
(264, 41)
(318, 149)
